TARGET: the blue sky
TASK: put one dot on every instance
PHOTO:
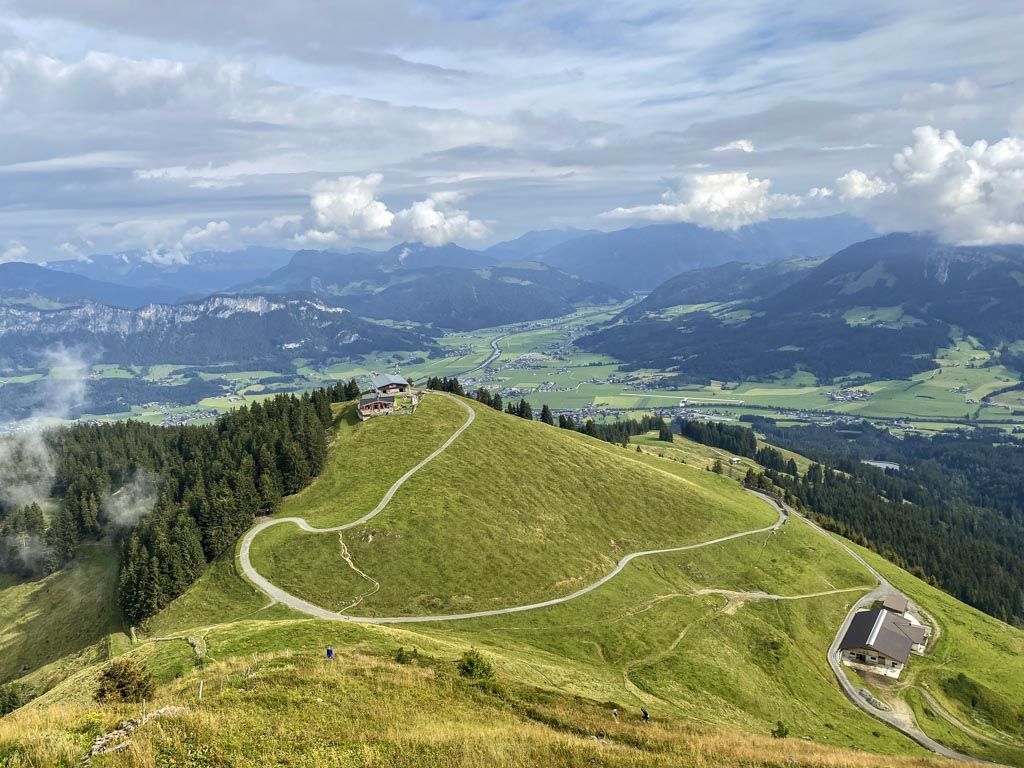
(171, 127)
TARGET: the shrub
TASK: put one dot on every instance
(91, 725)
(474, 666)
(11, 697)
(124, 680)
(780, 731)
(402, 656)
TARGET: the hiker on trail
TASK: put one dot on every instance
(615, 714)
(645, 715)
(330, 653)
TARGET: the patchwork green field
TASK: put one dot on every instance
(538, 360)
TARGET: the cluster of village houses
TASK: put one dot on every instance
(881, 640)
(385, 391)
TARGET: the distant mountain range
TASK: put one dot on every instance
(31, 285)
(446, 287)
(880, 308)
(642, 258)
(204, 273)
(257, 330)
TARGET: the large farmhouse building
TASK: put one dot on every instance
(389, 384)
(881, 640)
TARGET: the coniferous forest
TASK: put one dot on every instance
(952, 514)
(173, 498)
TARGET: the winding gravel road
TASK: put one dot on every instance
(878, 593)
(303, 606)
(298, 604)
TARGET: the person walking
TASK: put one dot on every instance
(645, 715)
(615, 714)
(330, 653)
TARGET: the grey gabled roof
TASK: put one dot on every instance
(895, 602)
(373, 397)
(384, 379)
(881, 631)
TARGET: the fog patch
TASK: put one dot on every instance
(24, 553)
(132, 501)
(27, 466)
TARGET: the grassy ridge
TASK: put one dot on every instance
(297, 710)
(367, 457)
(513, 512)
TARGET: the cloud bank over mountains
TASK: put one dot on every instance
(126, 127)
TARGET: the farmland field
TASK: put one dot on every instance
(538, 360)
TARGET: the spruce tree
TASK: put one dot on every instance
(545, 415)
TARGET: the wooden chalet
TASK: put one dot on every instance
(389, 384)
(375, 404)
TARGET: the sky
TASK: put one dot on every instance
(176, 127)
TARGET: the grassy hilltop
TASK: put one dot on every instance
(514, 512)
(718, 643)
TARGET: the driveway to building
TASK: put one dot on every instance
(878, 593)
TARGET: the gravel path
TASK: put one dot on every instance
(298, 604)
(303, 606)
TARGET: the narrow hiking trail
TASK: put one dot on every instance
(784, 512)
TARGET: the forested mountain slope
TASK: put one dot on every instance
(881, 307)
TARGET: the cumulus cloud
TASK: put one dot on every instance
(13, 251)
(73, 251)
(347, 209)
(275, 228)
(161, 241)
(857, 185)
(215, 233)
(719, 201)
(348, 206)
(964, 193)
(743, 145)
(437, 220)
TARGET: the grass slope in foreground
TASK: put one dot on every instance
(513, 512)
(684, 634)
(365, 710)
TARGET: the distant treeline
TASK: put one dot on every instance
(739, 441)
(952, 515)
(175, 497)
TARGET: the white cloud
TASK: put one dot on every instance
(214, 234)
(857, 185)
(347, 209)
(160, 241)
(348, 206)
(273, 229)
(743, 145)
(84, 161)
(719, 201)
(73, 251)
(436, 221)
(13, 251)
(963, 193)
